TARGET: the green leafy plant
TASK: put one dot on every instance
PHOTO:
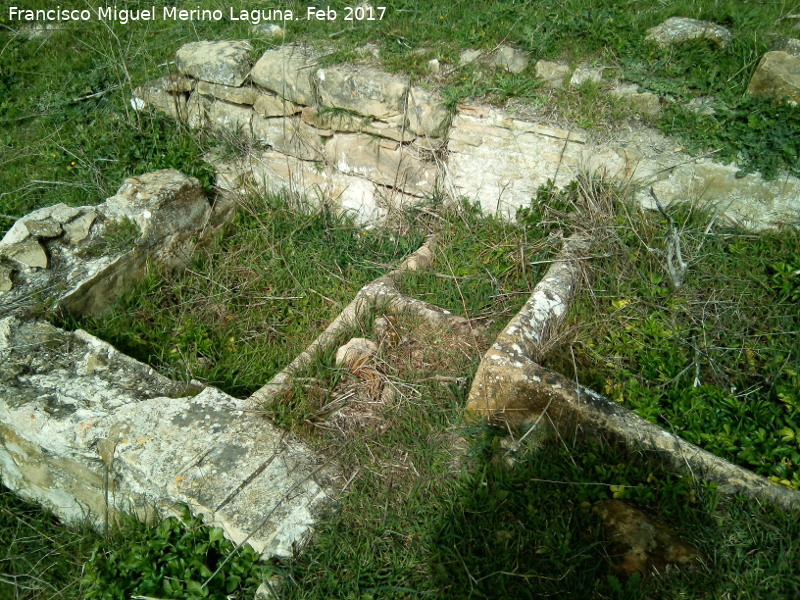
(177, 558)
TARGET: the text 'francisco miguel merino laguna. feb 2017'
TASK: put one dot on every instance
(172, 13)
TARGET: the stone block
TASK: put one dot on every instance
(267, 106)
(289, 135)
(235, 95)
(365, 91)
(288, 72)
(777, 76)
(225, 62)
(427, 114)
(681, 29)
(231, 118)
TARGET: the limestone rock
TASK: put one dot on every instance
(427, 114)
(369, 92)
(645, 545)
(157, 94)
(230, 118)
(356, 353)
(78, 229)
(469, 56)
(225, 62)
(777, 76)
(287, 71)
(28, 252)
(236, 95)
(392, 128)
(382, 161)
(289, 136)
(178, 84)
(646, 103)
(95, 433)
(553, 73)
(511, 59)
(267, 106)
(5, 278)
(197, 109)
(161, 203)
(43, 228)
(584, 73)
(788, 45)
(267, 30)
(681, 29)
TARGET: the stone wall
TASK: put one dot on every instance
(90, 432)
(371, 142)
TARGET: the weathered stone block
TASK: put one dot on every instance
(332, 120)
(287, 71)
(157, 94)
(511, 59)
(267, 106)
(427, 114)
(553, 73)
(290, 136)
(382, 161)
(90, 432)
(777, 76)
(236, 95)
(223, 62)
(231, 118)
(366, 91)
(681, 29)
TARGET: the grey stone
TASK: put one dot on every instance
(788, 45)
(553, 73)
(28, 252)
(267, 106)
(427, 113)
(231, 118)
(646, 103)
(288, 72)
(681, 29)
(382, 161)
(777, 76)
(367, 91)
(511, 59)
(236, 95)
(63, 213)
(289, 136)
(392, 128)
(584, 73)
(178, 84)
(434, 66)
(5, 278)
(157, 95)
(82, 415)
(267, 30)
(225, 62)
(469, 56)
(78, 229)
(43, 228)
(197, 111)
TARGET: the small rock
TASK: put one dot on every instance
(427, 113)
(216, 62)
(268, 30)
(644, 544)
(29, 253)
(511, 59)
(63, 213)
(469, 56)
(646, 103)
(681, 29)
(356, 353)
(434, 66)
(5, 278)
(584, 73)
(553, 73)
(777, 76)
(78, 229)
(45, 228)
(237, 95)
(788, 45)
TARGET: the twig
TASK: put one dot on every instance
(676, 266)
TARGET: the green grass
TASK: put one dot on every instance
(251, 303)
(714, 361)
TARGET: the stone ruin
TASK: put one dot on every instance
(90, 432)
